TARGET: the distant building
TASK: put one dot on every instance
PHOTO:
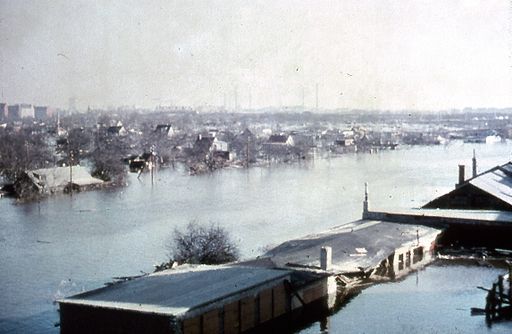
(165, 129)
(52, 180)
(3, 111)
(213, 132)
(117, 130)
(283, 140)
(27, 111)
(41, 112)
(13, 112)
(202, 146)
(219, 145)
(19, 111)
(344, 141)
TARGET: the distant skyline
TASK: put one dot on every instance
(388, 55)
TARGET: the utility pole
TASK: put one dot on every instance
(152, 170)
(152, 167)
(70, 172)
(247, 153)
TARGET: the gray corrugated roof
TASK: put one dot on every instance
(378, 239)
(176, 291)
(482, 216)
(496, 182)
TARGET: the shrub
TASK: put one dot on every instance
(199, 244)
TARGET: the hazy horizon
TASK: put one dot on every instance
(373, 55)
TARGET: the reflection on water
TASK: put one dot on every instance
(65, 244)
(437, 299)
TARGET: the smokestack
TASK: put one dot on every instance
(474, 163)
(325, 258)
(462, 169)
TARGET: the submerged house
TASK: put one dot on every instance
(146, 160)
(280, 140)
(53, 180)
(490, 190)
(117, 130)
(194, 299)
(165, 129)
(278, 145)
(202, 146)
(293, 283)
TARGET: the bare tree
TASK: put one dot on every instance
(210, 244)
(21, 151)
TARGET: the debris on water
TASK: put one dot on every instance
(498, 302)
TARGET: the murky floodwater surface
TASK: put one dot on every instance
(64, 245)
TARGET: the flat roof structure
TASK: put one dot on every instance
(443, 218)
(238, 297)
(175, 292)
(363, 243)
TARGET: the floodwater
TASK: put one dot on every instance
(437, 299)
(66, 244)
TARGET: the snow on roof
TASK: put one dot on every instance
(480, 216)
(496, 182)
(60, 176)
(176, 291)
(379, 239)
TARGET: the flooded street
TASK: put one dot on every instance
(64, 245)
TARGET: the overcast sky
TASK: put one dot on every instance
(424, 55)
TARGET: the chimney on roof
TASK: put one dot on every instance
(325, 258)
(462, 170)
(474, 163)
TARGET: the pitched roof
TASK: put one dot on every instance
(59, 176)
(496, 182)
(163, 128)
(114, 129)
(278, 139)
